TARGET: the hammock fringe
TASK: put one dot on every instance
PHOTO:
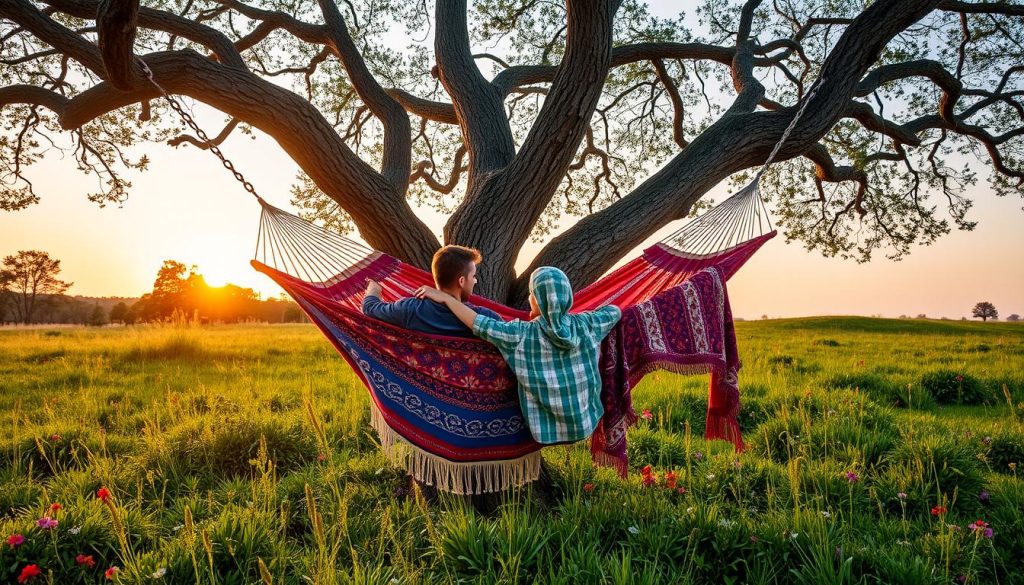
(471, 478)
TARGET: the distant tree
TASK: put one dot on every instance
(28, 275)
(98, 316)
(118, 312)
(985, 311)
(292, 314)
(1014, 317)
(921, 316)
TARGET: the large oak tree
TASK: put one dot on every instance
(516, 115)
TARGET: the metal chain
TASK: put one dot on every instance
(176, 106)
(789, 129)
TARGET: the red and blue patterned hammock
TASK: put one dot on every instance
(447, 409)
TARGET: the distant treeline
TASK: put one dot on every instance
(179, 293)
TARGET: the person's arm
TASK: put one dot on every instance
(394, 313)
(604, 319)
(461, 311)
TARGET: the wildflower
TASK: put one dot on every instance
(826, 514)
(852, 477)
(983, 496)
(939, 510)
(29, 572)
(959, 378)
(646, 415)
(54, 437)
(793, 535)
(690, 510)
(725, 522)
(754, 538)
(633, 530)
(646, 470)
(15, 540)
(670, 480)
(649, 480)
(698, 455)
(55, 507)
(321, 457)
(74, 530)
(710, 476)
(588, 487)
(85, 560)
(111, 573)
(103, 494)
(1012, 466)
(987, 533)
(400, 491)
(681, 490)
(178, 527)
(902, 495)
(159, 573)
(987, 440)
(47, 523)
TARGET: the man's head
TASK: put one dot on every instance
(454, 269)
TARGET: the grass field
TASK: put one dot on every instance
(244, 455)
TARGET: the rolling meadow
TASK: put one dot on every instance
(879, 451)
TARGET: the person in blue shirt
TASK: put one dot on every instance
(454, 270)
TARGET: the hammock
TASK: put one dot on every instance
(446, 409)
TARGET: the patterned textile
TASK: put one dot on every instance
(555, 359)
(686, 329)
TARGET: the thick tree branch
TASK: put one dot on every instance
(35, 96)
(209, 37)
(397, 139)
(478, 104)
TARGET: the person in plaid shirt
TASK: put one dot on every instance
(554, 355)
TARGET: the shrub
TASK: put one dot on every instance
(949, 387)
(1006, 449)
(225, 447)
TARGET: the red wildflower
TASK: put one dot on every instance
(646, 415)
(588, 487)
(103, 494)
(15, 540)
(649, 480)
(86, 560)
(670, 480)
(54, 437)
(110, 573)
(646, 470)
(54, 507)
(939, 510)
(959, 378)
(29, 572)
(681, 490)
(321, 457)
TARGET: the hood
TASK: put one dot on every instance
(550, 286)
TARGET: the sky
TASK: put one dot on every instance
(188, 208)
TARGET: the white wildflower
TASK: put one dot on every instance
(74, 530)
(159, 573)
(633, 530)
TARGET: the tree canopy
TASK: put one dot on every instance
(515, 117)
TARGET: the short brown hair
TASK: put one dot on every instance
(451, 262)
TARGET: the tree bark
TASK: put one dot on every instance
(115, 23)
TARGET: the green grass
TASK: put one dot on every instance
(243, 454)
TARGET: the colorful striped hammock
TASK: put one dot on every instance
(446, 409)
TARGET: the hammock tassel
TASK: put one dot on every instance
(470, 478)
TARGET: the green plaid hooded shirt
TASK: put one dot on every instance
(555, 359)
